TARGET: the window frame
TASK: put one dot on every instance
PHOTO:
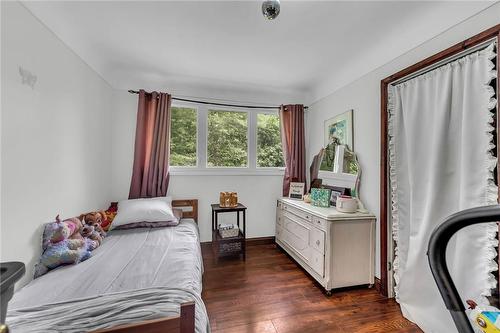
(276, 113)
(192, 167)
(202, 167)
(226, 109)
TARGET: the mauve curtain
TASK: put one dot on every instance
(152, 146)
(294, 147)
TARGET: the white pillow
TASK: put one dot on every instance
(144, 210)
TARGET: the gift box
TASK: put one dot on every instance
(320, 197)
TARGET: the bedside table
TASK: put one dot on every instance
(223, 247)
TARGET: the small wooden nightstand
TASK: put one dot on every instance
(223, 247)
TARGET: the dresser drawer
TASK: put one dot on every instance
(279, 219)
(279, 233)
(317, 262)
(304, 215)
(319, 223)
(317, 240)
(296, 235)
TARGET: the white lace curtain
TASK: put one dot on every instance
(440, 155)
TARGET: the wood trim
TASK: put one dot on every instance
(459, 47)
(260, 240)
(251, 241)
(184, 323)
(384, 191)
(192, 203)
(187, 317)
(384, 183)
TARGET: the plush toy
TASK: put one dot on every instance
(65, 252)
(58, 231)
(89, 232)
(61, 245)
(485, 318)
(110, 214)
(95, 219)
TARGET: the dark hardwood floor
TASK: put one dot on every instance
(270, 293)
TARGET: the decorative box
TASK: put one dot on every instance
(228, 199)
(320, 197)
(226, 233)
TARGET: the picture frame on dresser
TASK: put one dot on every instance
(335, 192)
(296, 191)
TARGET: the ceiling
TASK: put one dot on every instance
(312, 48)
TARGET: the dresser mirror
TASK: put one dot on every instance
(340, 167)
(350, 163)
(327, 163)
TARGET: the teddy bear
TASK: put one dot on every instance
(61, 245)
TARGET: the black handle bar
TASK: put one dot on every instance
(437, 258)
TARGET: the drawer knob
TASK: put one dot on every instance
(317, 242)
(307, 216)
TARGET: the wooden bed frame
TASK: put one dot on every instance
(185, 322)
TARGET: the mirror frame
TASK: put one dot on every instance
(341, 179)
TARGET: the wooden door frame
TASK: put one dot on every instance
(384, 169)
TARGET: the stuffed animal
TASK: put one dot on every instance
(110, 214)
(58, 231)
(95, 219)
(61, 245)
(89, 232)
(65, 252)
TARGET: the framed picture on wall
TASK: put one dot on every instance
(339, 130)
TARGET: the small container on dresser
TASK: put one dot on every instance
(336, 249)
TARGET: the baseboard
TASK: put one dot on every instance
(250, 241)
(260, 240)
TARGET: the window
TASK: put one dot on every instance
(183, 137)
(227, 139)
(207, 140)
(269, 152)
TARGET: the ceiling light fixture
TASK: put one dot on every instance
(271, 9)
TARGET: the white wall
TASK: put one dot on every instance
(55, 138)
(257, 192)
(363, 95)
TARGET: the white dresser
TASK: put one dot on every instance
(335, 248)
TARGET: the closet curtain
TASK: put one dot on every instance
(441, 161)
(152, 146)
(293, 142)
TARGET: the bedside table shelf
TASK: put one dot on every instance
(229, 246)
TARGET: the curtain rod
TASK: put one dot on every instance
(448, 60)
(220, 104)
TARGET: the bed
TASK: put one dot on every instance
(153, 285)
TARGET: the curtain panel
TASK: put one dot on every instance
(440, 162)
(293, 141)
(152, 146)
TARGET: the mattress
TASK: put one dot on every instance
(128, 260)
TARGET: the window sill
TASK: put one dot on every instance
(177, 171)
